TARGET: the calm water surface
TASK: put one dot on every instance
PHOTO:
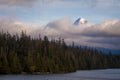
(107, 74)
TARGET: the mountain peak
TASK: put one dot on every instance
(80, 21)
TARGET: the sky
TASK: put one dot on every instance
(44, 11)
(55, 18)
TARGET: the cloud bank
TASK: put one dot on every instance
(105, 34)
(109, 28)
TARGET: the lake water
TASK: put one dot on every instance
(106, 74)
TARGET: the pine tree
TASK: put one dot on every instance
(4, 68)
(14, 63)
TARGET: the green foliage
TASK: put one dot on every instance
(4, 66)
(14, 63)
(21, 53)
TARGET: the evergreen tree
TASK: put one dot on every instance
(14, 63)
(21, 53)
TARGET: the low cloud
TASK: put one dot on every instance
(13, 26)
(109, 28)
(105, 34)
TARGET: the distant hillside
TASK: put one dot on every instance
(105, 50)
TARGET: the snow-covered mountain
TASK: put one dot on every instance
(80, 21)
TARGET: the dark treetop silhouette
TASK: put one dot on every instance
(21, 53)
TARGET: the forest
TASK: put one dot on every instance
(22, 53)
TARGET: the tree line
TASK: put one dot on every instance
(22, 53)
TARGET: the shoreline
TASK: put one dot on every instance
(38, 73)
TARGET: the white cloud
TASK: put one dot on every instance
(110, 28)
(105, 34)
(13, 26)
